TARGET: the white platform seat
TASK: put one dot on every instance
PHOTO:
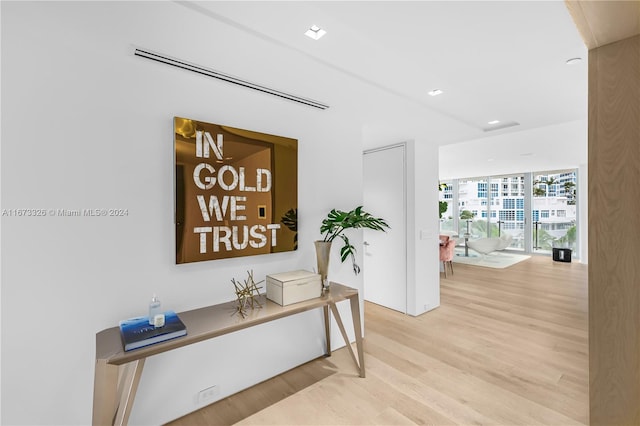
(489, 245)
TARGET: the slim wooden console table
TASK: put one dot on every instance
(117, 373)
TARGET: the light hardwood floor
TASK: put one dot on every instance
(505, 347)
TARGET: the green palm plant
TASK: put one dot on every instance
(539, 192)
(550, 181)
(442, 205)
(338, 221)
(570, 192)
(466, 214)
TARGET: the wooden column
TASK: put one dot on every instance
(614, 233)
(611, 32)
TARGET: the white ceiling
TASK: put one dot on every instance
(501, 60)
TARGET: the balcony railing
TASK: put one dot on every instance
(558, 234)
(545, 235)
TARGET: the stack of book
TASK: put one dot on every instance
(137, 332)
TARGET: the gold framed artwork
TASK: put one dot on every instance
(235, 191)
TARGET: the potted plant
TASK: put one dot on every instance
(333, 226)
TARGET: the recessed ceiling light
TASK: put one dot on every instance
(573, 61)
(493, 122)
(315, 32)
(435, 92)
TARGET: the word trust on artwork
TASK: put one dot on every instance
(231, 207)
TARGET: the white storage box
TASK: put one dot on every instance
(292, 287)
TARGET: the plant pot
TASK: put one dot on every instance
(323, 254)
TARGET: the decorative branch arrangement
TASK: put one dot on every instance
(246, 294)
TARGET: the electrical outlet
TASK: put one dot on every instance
(208, 395)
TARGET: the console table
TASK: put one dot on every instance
(117, 373)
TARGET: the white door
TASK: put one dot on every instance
(385, 253)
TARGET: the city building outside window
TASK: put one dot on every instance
(552, 200)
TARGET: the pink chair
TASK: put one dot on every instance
(446, 255)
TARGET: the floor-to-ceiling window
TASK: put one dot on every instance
(507, 207)
(537, 209)
(554, 212)
(448, 211)
(473, 206)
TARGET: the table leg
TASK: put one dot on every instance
(114, 390)
(357, 331)
(105, 393)
(357, 328)
(127, 391)
(327, 331)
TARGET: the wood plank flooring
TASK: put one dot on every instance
(505, 347)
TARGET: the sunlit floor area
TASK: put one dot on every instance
(496, 259)
(506, 346)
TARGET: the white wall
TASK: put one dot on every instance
(422, 229)
(423, 271)
(85, 124)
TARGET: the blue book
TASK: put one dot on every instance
(137, 332)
